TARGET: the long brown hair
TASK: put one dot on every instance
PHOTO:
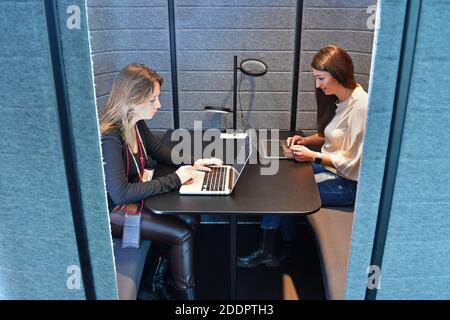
(338, 63)
(132, 86)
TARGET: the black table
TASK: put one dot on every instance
(291, 191)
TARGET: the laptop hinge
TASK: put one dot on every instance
(231, 180)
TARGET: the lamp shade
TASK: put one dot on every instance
(253, 67)
(250, 67)
(217, 109)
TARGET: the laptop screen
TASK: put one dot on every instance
(244, 150)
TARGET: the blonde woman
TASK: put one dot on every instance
(129, 150)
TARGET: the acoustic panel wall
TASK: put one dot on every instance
(417, 252)
(37, 237)
(81, 98)
(209, 34)
(384, 76)
(131, 31)
(39, 256)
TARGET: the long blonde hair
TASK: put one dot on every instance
(132, 86)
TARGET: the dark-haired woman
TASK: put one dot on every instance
(341, 114)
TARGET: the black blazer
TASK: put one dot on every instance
(123, 190)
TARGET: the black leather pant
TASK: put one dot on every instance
(177, 231)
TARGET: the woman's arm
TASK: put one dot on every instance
(326, 161)
(347, 159)
(119, 189)
(302, 153)
(315, 139)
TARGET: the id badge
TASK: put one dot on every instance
(148, 175)
(131, 236)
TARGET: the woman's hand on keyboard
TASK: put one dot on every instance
(302, 153)
(202, 164)
(296, 140)
(185, 173)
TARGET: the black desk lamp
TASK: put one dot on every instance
(250, 67)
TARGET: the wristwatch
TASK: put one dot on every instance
(318, 158)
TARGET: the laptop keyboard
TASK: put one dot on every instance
(215, 180)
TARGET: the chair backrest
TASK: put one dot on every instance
(332, 228)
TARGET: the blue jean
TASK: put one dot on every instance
(334, 191)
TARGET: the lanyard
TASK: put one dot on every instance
(139, 170)
(140, 139)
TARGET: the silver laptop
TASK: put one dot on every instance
(221, 180)
(275, 149)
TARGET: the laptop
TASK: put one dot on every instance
(221, 180)
(275, 149)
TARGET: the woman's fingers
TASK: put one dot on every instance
(299, 156)
(294, 140)
(203, 164)
(203, 168)
(216, 162)
(288, 141)
(297, 147)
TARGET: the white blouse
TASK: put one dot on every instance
(344, 135)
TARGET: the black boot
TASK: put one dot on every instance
(158, 288)
(266, 254)
(184, 294)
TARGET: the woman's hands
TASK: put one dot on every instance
(185, 173)
(302, 153)
(296, 140)
(202, 164)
